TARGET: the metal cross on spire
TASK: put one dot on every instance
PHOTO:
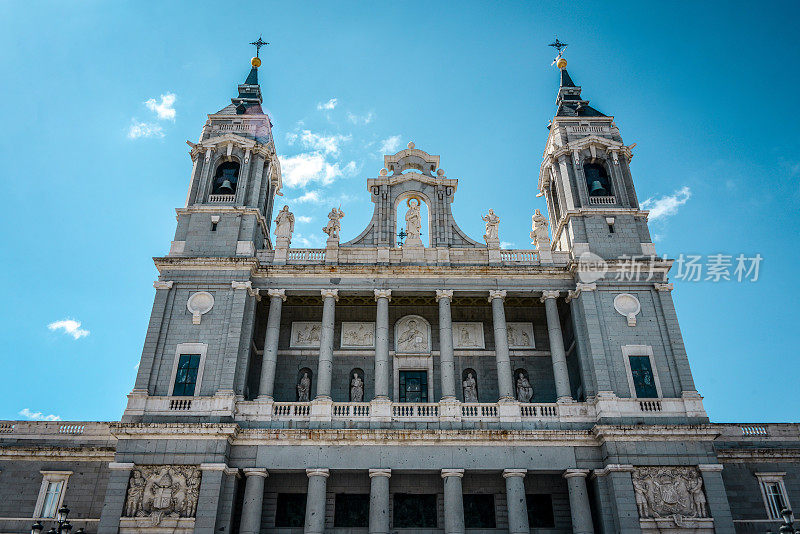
(258, 44)
(558, 45)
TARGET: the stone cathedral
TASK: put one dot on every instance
(379, 386)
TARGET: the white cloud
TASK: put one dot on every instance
(329, 144)
(313, 197)
(360, 119)
(304, 219)
(144, 129)
(507, 244)
(38, 416)
(327, 106)
(70, 327)
(390, 145)
(302, 169)
(165, 108)
(312, 241)
(661, 208)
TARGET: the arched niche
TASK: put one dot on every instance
(403, 205)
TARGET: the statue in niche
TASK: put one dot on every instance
(413, 222)
(470, 389)
(412, 339)
(284, 226)
(135, 493)
(334, 224)
(492, 226)
(675, 492)
(524, 389)
(304, 388)
(356, 389)
(541, 240)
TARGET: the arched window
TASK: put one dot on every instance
(469, 385)
(226, 178)
(597, 180)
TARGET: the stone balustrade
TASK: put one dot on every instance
(221, 199)
(602, 200)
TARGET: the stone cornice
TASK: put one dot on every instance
(177, 263)
(611, 433)
(228, 431)
(733, 456)
(58, 454)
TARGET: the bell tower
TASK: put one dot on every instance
(586, 180)
(235, 178)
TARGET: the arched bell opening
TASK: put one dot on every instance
(226, 178)
(597, 181)
(413, 220)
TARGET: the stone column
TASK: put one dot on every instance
(453, 501)
(382, 297)
(515, 501)
(557, 353)
(717, 497)
(253, 500)
(579, 501)
(315, 501)
(268, 363)
(116, 492)
(505, 384)
(444, 297)
(325, 367)
(379, 501)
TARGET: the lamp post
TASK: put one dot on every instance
(788, 523)
(63, 525)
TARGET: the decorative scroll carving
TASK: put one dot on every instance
(413, 335)
(520, 335)
(358, 335)
(306, 335)
(156, 492)
(468, 335)
(671, 492)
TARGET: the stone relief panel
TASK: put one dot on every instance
(468, 336)
(156, 492)
(520, 335)
(412, 335)
(669, 492)
(358, 335)
(306, 335)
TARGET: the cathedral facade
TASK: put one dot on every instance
(375, 386)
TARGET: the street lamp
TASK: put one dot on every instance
(63, 525)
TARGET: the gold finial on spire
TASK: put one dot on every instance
(559, 61)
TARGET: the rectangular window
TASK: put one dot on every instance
(643, 380)
(291, 510)
(51, 497)
(774, 493)
(51, 493)
(186, 376)
(540, 510)
(414, 511)
(351, 510)
(413, 386)
(479, 511)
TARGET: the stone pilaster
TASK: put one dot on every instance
(315, 501)
(379, 501)
(114, 503)
(157, 317)
(453, 501)
(579, 501)
(717, 498)
(557, 353)
(619, 497)
(267, 381)
(253, 500)
(209, 499)
(516, 502)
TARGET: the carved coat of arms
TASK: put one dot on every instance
(159, 491)
(672, 492)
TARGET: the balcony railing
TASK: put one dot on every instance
(221, 199)
(351, 410)
(602, 200)
(479, 411)
(415, 411)
(520, 256)
(291, 411)
(305, 255)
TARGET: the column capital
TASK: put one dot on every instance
(121, 466)
(330, 293)
(383, 294)
(549, 294)
(159, 284)
(235, 284)
(571, 473)
(508, 473)
(664, 287)
(452, 473)
(380, 473)
(272, 293)
(319, 472)
(497, 294)
(710, 467)
(213, 467)
(613, 468)
(256, 472)
(580, 288)
(444, 294)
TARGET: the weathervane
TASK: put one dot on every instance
(258, 44)
(559, 61)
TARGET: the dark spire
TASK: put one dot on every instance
(566, 81)
(569, 100)
(252, 78)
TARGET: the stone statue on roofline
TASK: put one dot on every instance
(541, 240)
(334, 225)
(284, 226)
(492, 235)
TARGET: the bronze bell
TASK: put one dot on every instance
(226, 188)
(598, 190)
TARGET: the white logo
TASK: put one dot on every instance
(591, 267)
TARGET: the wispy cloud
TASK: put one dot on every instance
(164, 107)
(328, 144)
(327, 106)
(70, 327)
(507, 244)
(303, 219)
(360, 119)
(311, 241)
(139, 129)
(302, 169)
(389, 145)
(666, 206)
(38, 416)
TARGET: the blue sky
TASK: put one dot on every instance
(98, 99)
